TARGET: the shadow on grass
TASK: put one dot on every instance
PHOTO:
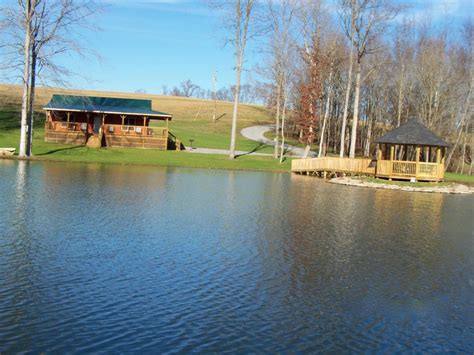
(260, 146)
(60, 150)
(218, 118)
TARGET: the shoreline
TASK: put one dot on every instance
(39, 159)
(454, 188)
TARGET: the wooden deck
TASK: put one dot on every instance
(333, 165)
(390, 169)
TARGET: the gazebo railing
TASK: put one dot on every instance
(408, 169)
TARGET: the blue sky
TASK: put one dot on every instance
(150, 43)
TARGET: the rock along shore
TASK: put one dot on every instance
(446, 189)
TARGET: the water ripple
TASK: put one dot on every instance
(113, 259)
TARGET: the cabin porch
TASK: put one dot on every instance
(108, 130)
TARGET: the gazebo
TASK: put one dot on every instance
(411, 152)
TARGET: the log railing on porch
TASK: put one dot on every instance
(136, 131)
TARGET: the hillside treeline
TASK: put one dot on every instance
(341, 77)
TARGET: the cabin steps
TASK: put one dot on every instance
(94, 142)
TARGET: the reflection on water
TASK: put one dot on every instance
(113, 258)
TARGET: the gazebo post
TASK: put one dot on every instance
(392, 151)
(418, 150)
(379, 152)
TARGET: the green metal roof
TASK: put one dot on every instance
(103, 105)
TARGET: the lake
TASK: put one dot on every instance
(104, 258)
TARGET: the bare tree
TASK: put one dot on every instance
(29, 8)
(349, 12)
(238, 16)
(47, 28)
(188, 89)
(371, 20)
(280, 19)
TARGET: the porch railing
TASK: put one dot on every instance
(136, 131)
(60, 126)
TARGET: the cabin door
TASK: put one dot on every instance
(97, 124)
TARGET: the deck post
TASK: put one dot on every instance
(68, 114)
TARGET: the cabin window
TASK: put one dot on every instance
(130, 121)
(62, 117)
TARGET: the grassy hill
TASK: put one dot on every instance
(192, 118)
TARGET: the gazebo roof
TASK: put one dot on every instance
(412, 133)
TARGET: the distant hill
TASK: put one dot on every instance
(182, 108)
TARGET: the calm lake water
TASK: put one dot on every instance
(146, 259)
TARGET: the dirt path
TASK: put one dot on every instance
(256, 133)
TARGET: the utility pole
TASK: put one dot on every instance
(214, 77)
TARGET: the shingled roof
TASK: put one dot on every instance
(104, 105)
(412, 133)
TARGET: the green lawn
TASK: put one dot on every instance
(212, 135)
(10, 136)
(461, 178)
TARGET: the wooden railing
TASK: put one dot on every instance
(334, 164)
(60, 126)
(177, 143)
(136, 131)
(409, 169)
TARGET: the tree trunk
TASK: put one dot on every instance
(236, 106)
(368, 138)
(461, 126)
(326, 114)
(400, 95)
(356, 112)
(283, 116)
(277, 120)
(29, 143)
(26, 79)
(349, 83)
(463, 156)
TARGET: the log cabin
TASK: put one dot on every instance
(107, 122)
